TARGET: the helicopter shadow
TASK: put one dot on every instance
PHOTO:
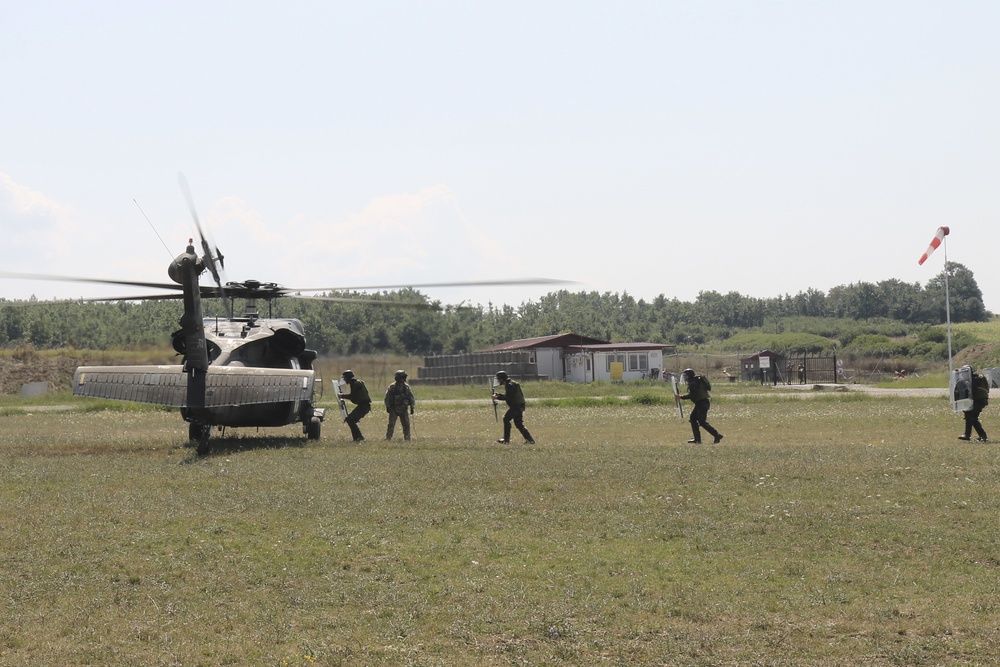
(236, 444)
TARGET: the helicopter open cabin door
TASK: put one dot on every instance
(960, 389)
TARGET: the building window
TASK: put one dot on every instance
(612, 358)
(638, 361)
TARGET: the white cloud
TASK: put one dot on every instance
(35, 222)
(23, 201)
(400, 239)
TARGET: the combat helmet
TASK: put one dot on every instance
(400, 375)
(348, 375)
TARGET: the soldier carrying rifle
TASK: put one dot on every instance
(514, 398)
(698, 388)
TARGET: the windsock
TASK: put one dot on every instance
(935, 242)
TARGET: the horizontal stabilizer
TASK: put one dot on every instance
(167, 385)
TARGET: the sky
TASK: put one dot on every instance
(641, 147)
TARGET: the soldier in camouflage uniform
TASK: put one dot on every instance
(399, 404)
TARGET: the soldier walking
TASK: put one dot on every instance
(980, 399)
(698, 388)
(358, 395)
(514, 398)
(399, 404)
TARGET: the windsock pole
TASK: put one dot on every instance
(947, 303)
(938, 240)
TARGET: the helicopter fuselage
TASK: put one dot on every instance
(237, 372)
(248, 343)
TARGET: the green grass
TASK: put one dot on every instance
(842, 529)
(988, 332)
(924, 381)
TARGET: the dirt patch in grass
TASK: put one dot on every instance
(56, 367)
(24, 367)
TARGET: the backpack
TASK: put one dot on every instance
(980, 388)
(704, 381)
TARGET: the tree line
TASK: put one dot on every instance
(889, 308)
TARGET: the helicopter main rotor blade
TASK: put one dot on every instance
(368, 302)
(56, 302)
(465, 283)
(99, 281)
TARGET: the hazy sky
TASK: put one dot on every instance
(643, 147)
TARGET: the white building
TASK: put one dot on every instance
(576, 358)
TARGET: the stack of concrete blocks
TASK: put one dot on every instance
(477, 368)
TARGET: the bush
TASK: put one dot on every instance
(877, 344)
(779, 342)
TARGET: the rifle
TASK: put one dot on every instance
(677, 396)
(341, 403)
(496, 416)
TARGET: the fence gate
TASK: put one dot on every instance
(812, 370)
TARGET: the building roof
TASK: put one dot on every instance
(764, 353)
(615, 347)
(557, 340)
(575, 343)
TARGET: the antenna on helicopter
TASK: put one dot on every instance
(170, 254)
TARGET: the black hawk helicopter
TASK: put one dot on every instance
(241, 371)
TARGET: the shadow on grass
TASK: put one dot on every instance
(226, 445)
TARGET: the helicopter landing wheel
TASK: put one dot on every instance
(199, 433)
(314, 428)
(203, 446)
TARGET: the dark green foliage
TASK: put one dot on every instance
(932, 343)
(862, 316)
(877, 344)
(965, 297)
(784, 342)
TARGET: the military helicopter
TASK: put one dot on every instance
(241, 371)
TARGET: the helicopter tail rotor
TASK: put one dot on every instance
(212, 257)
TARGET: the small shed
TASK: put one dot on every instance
(766, 367)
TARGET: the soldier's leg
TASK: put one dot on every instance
(507, 417)
(693, 419)
(708, 427)
(353, 425)
(404, 419)
(392, 425)
(519, 423)
(976, 424)
(353, 419)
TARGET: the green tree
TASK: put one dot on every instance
(965, 297)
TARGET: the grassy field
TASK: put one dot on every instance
(832, 529)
